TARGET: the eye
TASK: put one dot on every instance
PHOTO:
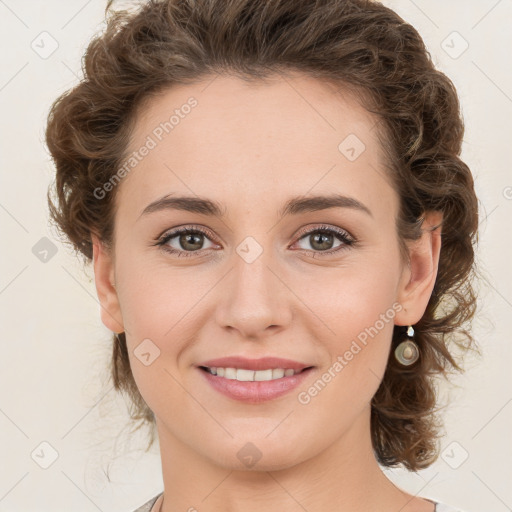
(322, 238)
(188, 240)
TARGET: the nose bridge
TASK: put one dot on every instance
(253, 296)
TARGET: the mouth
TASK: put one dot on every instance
(248, 375)
(254, 386)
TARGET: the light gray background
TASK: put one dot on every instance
(55, 348)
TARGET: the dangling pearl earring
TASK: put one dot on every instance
(407, 352)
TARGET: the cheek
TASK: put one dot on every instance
(354, 298)
(358, 310)
(157, 298)
(358, 352)
(161, 308)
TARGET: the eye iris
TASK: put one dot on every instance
(185, 237)
(321, 238)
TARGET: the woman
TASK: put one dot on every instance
(282, 235)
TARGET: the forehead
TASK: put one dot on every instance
(283, 137)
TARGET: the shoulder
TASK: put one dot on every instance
(148, 505)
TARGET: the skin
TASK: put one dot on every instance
(285, 303)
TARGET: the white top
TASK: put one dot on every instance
(443, 507)
(148, 505)
(440, 507)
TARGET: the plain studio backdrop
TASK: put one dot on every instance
(63, 429)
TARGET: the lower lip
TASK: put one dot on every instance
(255, 391)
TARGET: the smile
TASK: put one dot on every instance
(244, 375)
(253, 386)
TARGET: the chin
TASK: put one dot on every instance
(257, 455)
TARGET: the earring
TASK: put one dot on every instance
(407, 352)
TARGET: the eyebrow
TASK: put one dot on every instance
(294, 206)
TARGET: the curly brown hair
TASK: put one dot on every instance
(363, 47)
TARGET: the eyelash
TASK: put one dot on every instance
(342, 235)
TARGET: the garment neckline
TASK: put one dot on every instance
(156, 502)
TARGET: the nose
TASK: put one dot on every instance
(254, 299)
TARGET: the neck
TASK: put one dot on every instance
(345, 473)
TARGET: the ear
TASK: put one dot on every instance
(105, 286)
(418, 278)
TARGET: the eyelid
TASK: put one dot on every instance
(186, 227)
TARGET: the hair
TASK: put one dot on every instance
(361, 46)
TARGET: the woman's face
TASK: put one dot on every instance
(257, 281)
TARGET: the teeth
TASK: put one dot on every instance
(244, 375)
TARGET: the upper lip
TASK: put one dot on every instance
(262, 363)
